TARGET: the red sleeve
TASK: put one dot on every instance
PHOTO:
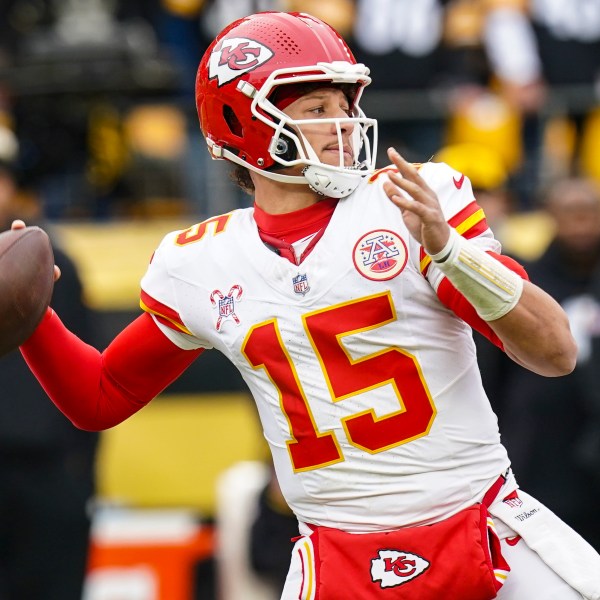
(451, 298)
(99, 390)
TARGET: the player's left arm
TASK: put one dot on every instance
(531, 325)
(451, 298)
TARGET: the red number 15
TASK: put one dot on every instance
(346, 377)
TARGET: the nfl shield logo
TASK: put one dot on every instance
(226, 306)
(300, 284)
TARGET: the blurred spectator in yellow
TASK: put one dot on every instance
(545, 56)
(416, 55)
(546, 421)
(340, 14)
(536, 43)
(46, 466)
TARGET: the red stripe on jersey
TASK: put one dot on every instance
(424, 261)
(464, 213)
(164, 314)
(476, 229)
(469, 222)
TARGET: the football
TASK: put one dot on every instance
(26, 283)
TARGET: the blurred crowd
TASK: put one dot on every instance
(97, 122)
(100, 92)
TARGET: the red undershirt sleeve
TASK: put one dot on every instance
(98, 390)
(451, 298)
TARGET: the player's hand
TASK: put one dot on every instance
(419, 206)
(19, 224)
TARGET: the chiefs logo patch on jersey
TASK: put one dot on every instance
(380, 255)
(395, 567)
(235, 56)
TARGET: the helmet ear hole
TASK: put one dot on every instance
(232, 121)
(284, 147)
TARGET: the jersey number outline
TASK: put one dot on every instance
(346, 377)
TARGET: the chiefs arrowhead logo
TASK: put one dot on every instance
(233, 57)
(394, 567)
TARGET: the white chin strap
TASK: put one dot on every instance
(335, 184)
(332, 183)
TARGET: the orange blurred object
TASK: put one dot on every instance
(147, 554)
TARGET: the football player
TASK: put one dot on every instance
(345, 297)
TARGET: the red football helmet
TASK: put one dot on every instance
(237, 80)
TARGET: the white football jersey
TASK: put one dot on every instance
(368, 388)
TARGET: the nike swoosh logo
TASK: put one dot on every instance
(458, 182)
(513, 541)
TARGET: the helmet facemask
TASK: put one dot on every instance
(289, 147)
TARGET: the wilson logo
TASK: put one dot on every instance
(235, 56)
(394, 567)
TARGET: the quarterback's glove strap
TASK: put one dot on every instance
(486, 283)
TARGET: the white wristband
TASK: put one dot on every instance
(485, 282)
